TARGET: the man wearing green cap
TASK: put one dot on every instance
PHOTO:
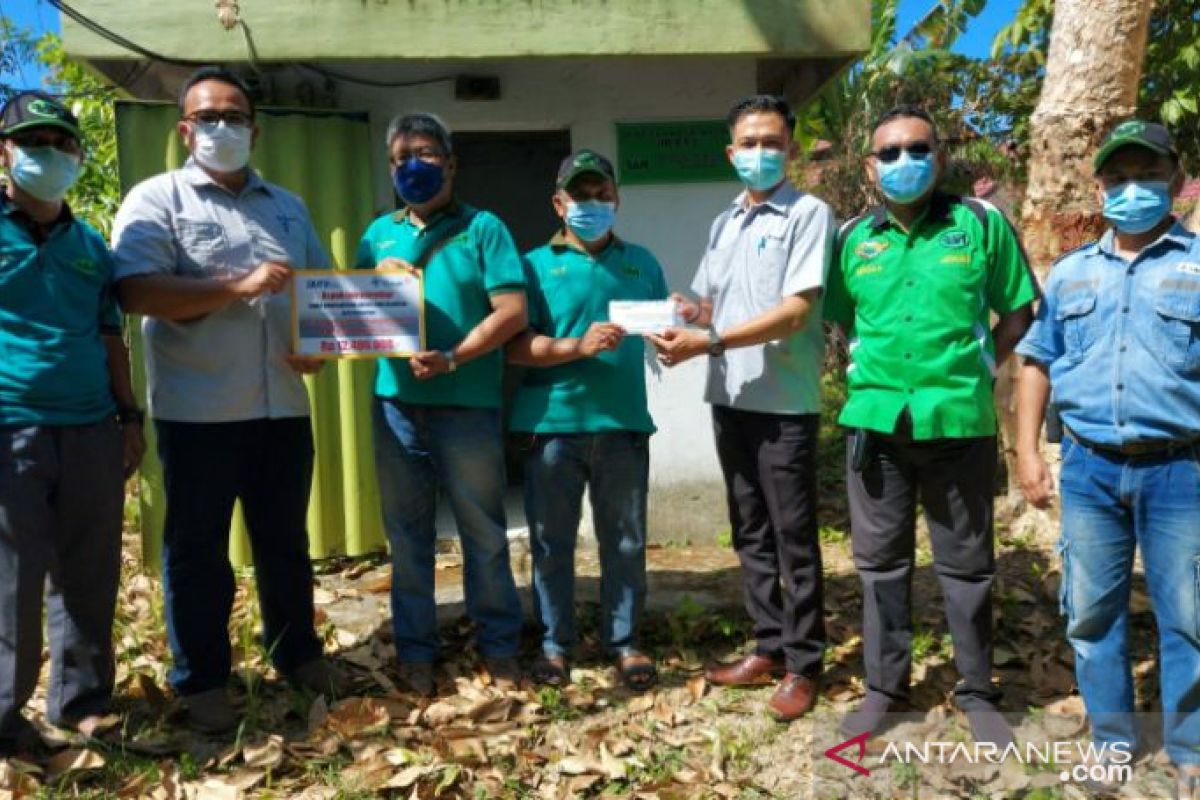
(1117, 338)
(70, 430)
(585, 406)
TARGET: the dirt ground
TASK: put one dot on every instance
(593, 739)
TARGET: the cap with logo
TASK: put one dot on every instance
(1136, 133)
(37, 110)
(581, 162)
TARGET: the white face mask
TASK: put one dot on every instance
(221, 147)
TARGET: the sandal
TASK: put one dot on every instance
(637, 671)
(551, 671)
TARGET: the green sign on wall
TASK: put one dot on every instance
(687, 151)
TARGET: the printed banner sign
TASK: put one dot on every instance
(357, 314)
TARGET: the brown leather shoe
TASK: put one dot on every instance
(751, 670)
(794, 698)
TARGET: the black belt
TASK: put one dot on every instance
(1142, 448)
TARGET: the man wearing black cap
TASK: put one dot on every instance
(1117, 337)
(586, 410)
(69, 429)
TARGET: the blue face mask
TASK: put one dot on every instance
(1137, 206)
(44, 172)
(590, 220)
(906, 179)
(418, 181)
(760, 169)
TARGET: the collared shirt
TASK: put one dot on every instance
(756, 256)
(569, 289)
(1121, 340)
(228, 365)
(56, 301)
(475, 259)
(917, 306)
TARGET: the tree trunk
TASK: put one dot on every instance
(1093, 68)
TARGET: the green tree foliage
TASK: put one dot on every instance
(1172, 75)
(917, 68)
(1011, 82)
(96, 195)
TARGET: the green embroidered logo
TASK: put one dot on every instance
(44, 109)
(1134, 127)
(954, 240)
(631, 270)
(870, 248)
(557, 272)
(84, 265)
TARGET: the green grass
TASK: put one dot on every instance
(555, 704)
(924, 644)
(831, 535)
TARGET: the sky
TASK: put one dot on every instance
(39, 16)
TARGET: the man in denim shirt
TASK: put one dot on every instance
(1118, 338)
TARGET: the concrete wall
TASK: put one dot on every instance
(306, 30)
(588, 97)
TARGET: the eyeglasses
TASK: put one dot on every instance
(918, 150)
(211, 116)
(429, 155)
(64, 143)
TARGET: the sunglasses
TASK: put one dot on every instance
(918, 150)
(211, 116)
(66, 144)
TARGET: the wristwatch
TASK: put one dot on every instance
(451, 363)
(131, 414)
(716, 348)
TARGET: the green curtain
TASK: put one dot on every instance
(323, 157)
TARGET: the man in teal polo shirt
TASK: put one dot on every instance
(69, 429)
(586, 406)
(914, 284)
(437, 416)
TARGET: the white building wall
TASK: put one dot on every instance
(587, 97)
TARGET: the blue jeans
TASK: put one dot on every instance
(1112, 504)
(419, 452)
(267, 464)
(615, 468)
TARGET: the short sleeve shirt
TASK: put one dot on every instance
(1121, 340)
(475, 258)
(56, 301)
(756, 256)
(917, 307)
(569, 289)
(228, 365)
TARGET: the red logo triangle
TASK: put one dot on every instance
(861, 741)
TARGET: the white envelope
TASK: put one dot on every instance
(639, 317)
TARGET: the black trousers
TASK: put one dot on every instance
(267, 464)
(769, 462)
(61, 498)
(954, 480)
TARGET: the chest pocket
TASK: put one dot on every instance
(767, 267)
(1178, 309)
(1077, 315)
(285, 244)
(203, 246)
